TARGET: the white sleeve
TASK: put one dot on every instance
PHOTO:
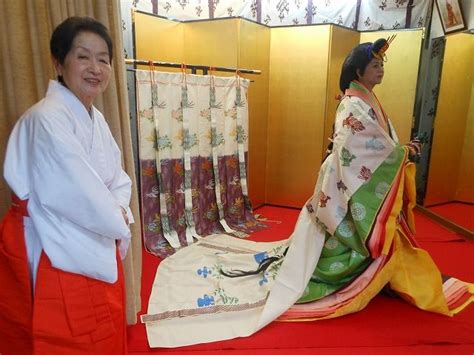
(16, 166)
(66, 185)
(121, 185)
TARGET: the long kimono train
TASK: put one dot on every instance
(353, 237)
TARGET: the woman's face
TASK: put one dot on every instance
(373, 73)
(86, 68)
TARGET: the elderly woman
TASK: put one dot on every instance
(353, 238)
(61, 241)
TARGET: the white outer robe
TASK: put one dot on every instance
(67, 164)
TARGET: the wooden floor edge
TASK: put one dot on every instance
(446, 222)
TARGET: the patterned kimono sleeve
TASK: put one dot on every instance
(360, 146)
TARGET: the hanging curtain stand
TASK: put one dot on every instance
(193, 67)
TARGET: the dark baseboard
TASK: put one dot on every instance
(446, 222)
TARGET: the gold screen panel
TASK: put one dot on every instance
(465, 188)
(213, 43)
(254, 53)
(297, 99)
(158, 39)
(450, 124)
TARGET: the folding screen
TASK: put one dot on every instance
(451, 163)
(296, 112)
(292, 103)
(224, 42)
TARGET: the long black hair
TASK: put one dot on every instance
(358, 59)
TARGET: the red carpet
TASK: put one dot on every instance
(457, 212)
(386, 326)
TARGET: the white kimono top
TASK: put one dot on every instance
(67, 164)
(362, 142)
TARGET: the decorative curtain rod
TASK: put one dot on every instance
(193, 67)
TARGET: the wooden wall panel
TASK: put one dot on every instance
(297, 100)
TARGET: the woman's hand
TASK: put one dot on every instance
(415, 147)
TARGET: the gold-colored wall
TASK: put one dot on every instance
(341, 42)
(254, 53)
(450, 124)
(296, 113)
(465, 187)
(398, 89)
(158, 39)
(212, 43)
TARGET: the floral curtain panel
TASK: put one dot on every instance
(362, 15)
(193, 143)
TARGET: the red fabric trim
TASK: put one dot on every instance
(460, 300)
(376, 244)
(16, 301)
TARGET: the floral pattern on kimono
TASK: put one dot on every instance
(360, 145)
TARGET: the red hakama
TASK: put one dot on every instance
(69, 313)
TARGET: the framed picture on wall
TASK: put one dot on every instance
(450, 13)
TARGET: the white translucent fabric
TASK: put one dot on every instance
(373, 14)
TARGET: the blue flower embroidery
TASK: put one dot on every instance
(205, 301)
(374, 144)
(260, 256)
(204, 271)
(264, 279)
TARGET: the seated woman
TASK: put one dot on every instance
(353, 238)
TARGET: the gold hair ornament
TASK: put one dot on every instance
(380, 54)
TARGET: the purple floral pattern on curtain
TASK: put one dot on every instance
(236, 206)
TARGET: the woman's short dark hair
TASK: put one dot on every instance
(63, 35)
(358, 59)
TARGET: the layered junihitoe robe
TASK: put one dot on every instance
(353, 237)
